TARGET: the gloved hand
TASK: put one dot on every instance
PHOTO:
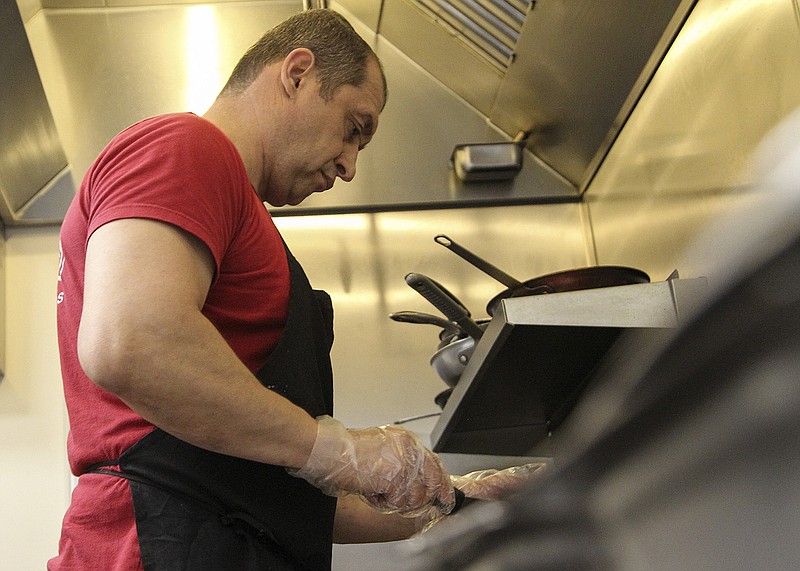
(484, 485)
(496, 484)
(387, 465)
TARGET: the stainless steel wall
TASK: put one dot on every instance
(381, 366)
(577, 69)
(684, 157)
(2, 303)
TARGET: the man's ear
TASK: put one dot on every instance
(296, 68)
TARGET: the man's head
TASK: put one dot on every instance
(341, 54)
(301, 104)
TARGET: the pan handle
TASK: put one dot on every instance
(480, 263)
(449, 328)
(418, 317)
(444, 303)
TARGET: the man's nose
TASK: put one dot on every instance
(346, 163)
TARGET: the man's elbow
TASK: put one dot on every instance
(105, 361)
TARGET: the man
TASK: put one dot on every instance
(195, 353)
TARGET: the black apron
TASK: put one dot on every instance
(200, 510)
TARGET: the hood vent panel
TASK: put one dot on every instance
(490, 27)
(569, 74)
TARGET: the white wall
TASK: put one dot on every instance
(34, 477)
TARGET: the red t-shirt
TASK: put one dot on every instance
(182, 170)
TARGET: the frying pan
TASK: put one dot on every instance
(567, 280)
(574, 280)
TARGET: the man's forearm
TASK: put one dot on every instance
(357, 522)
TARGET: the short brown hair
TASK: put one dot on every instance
(341, 55)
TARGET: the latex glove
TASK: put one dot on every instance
(386, 465)
(484, 485)
(496, 484)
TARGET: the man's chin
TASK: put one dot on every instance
(294, 200)
(287, 201)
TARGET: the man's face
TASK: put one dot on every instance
(322, 139)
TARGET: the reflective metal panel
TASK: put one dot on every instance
(2, 304)
(683, 158)
(107, 68)
(381, 366)
(31, 154)
(367, 12)
(577, 63)
(578, 68)
(104, 69)
(441, 54)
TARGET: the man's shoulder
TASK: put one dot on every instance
(179, 123)
(177, 135)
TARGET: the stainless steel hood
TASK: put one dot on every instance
(576, 72)
(573, 73)
(35, 179)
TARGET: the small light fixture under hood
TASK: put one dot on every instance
(482, 162)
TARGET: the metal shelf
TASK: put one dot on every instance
(538, 354)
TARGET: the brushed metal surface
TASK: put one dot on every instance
(440, 53)
(2, 304)
(104, 69)
(577, 71)
(576, 64)
(368, 12)
(31, 153)
(381, 366)
(636, 305)
(684, 157)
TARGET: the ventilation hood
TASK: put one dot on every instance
(35, 180)
(567, 72)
